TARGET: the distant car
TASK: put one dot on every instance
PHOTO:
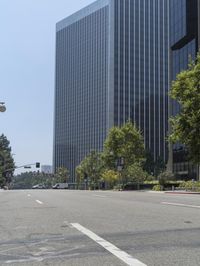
(38, 186)
(60, 186)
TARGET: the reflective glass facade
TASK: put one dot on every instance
(111, 65)
(184, 35)
(178, 20)
(141, 69)
(81, 87)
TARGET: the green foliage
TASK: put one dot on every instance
(123, 142)
(135, 173)
(153, 167)
(91, 167)
(79, 175)
(165, 177)
(29, 179)
(62, 175)
(112, 147)
(148, 165)
(2, 179)
(185, 125)
(155, 182)
(159, 166)
(111, 178)
(157, 188)
(190, 186)
(6, 161)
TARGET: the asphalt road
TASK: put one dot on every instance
(61, 227)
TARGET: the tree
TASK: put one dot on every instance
(110, 177)
(186, 124)
(79, 175)
(91, 166)
(123, 142)
(164, 177)
(148, 165)
(6, 161)
(2, 179)
(29, 179)
(153, 167)
(159, 166)
(136, 174)
(62, 175)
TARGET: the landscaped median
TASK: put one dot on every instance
(168, 185)
(179, 186)
(192, 186)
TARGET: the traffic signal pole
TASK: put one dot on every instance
(37, 165)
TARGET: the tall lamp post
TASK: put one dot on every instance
(2, 107)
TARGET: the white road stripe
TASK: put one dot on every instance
(38, 201)
(29, 195)
(99, 196)
(180, 204)
(125, 257)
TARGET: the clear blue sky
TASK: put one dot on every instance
(27, 57)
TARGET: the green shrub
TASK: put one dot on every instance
(110, 177)
(157, 188)
(190, 185)
(164, 177)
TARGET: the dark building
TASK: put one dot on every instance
(111, 65)
(184, 35)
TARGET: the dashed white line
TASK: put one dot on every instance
(38, 201)
(29, 195)
(99, 196)
(181, 205)
(125, 257)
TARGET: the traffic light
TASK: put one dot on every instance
(2, 108)
(37, 165)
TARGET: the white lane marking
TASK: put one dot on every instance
(28, 195)
(38, 201)
(66, 223)
(125, 257)
(99, 196)
(180, 204)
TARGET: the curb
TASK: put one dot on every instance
(188, 193)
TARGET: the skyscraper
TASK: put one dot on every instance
(111, 65)
(185, 42)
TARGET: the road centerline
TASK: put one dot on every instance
(120, 254)
(180, 204)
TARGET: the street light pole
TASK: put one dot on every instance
(2, 107)
(37, 165)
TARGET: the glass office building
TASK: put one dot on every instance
(184, 39)
(111, 65)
